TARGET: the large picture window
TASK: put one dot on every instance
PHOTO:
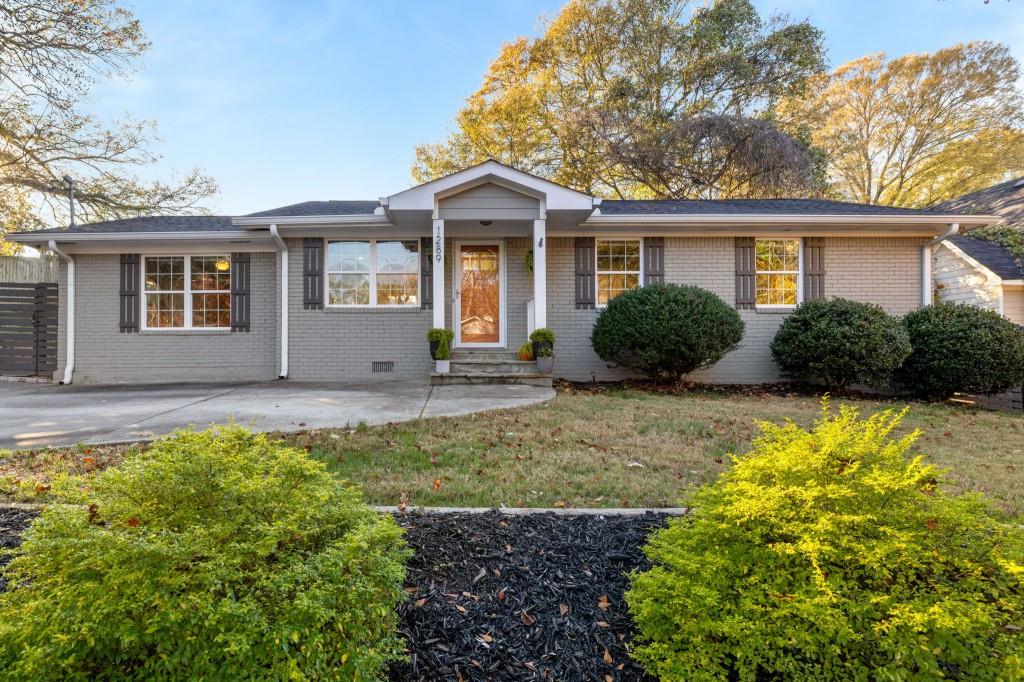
(187, 292)
(373, 273)
(618, 267)
(777, 264)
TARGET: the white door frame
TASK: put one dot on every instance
(457, 291)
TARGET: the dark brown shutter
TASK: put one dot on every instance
(426, 274)
(313, 273)
(814, 268)
(746, 289)
(654, 260)
(130, 278)
(585, 265)
(240, 288)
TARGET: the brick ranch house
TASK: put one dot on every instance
(346, 290)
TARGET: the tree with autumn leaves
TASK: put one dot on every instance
(678, 99)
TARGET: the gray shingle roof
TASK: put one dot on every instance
(1005, 200)
(993, 256)
(751, 207)
(315, 208)
(176, 223)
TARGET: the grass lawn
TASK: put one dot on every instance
(611, 448)
(623, 447)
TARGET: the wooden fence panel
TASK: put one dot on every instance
(24, 270)
(28, 329)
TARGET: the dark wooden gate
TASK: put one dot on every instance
(28, 329)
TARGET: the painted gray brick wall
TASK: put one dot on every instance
(104, 355)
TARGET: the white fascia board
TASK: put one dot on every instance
(305, 220)
(30, 237)
(423, 197)
(745, 219)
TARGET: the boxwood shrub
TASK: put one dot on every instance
(961, 348)
(841, 342)
(666, 330)
(829, 554)
(217, 555)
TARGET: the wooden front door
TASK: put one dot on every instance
(479, 300)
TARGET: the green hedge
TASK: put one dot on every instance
(666, 331)
(830, 554)
(841, 342)
(962, 349)
(217, 555)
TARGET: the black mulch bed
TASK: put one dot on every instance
(538, 597)
(12, 522)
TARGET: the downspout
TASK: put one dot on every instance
(282, 251)
(69, 364)
(926, 262)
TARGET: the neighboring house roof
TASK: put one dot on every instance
(162, 223)
(316, 208)
(996, 258)
(751, 207)
(1005, 200)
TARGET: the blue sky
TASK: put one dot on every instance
(326, 99)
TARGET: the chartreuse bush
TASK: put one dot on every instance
(830, 554)
(218, 555)
(666, 331)
(841, 342)
(962, 349)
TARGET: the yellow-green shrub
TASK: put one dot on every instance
(218, 555)
(830, 555)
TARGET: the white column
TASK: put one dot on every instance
(540, 274)
(439, 270)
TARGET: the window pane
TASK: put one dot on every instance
(348, 289)
(610, 286)
(211, 310)
(776, 289)
(777, 254)
(397, 289)
(348, 257)
(398, 256)
(165, 273)
(165, 310)
(210, 273)
(618, 255)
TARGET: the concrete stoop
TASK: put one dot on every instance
(490, 367)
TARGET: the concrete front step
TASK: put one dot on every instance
(528, 379)
(493, 367)
(483, 356)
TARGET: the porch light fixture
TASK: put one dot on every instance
(485, 223)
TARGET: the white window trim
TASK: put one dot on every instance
(373, 275)
(799, 274)
(598, 272)
(187, 291)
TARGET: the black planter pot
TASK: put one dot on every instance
(434, 345)
(539, 345)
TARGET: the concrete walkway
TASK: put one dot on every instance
(37, 415)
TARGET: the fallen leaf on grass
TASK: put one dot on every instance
(437, 484)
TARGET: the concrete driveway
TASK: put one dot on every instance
(37, 415)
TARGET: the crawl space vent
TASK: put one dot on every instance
(382, 366)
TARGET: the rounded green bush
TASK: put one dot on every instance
(830, 555)
(841, 342)
(961, 349)
(666, 331)
(217, 555)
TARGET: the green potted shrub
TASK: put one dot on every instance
(543, 342)
(441, 347)
(525, 352)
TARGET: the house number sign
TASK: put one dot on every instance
(438, 246)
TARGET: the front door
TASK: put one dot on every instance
(479, 295)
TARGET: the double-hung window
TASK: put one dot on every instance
(187, 292)
(373, 272)
(777, 272)
(618, 267)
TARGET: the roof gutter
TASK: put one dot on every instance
(215, 235)
(926, 262)
(800, 218)
(69, 363)
(282, 253)
(368, 219)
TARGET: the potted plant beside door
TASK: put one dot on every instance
(441, 348)
(543, 340)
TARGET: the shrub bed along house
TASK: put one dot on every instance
(217, 555)
(666, 331)
(960, 348)
(841, 342)
(829, 555)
